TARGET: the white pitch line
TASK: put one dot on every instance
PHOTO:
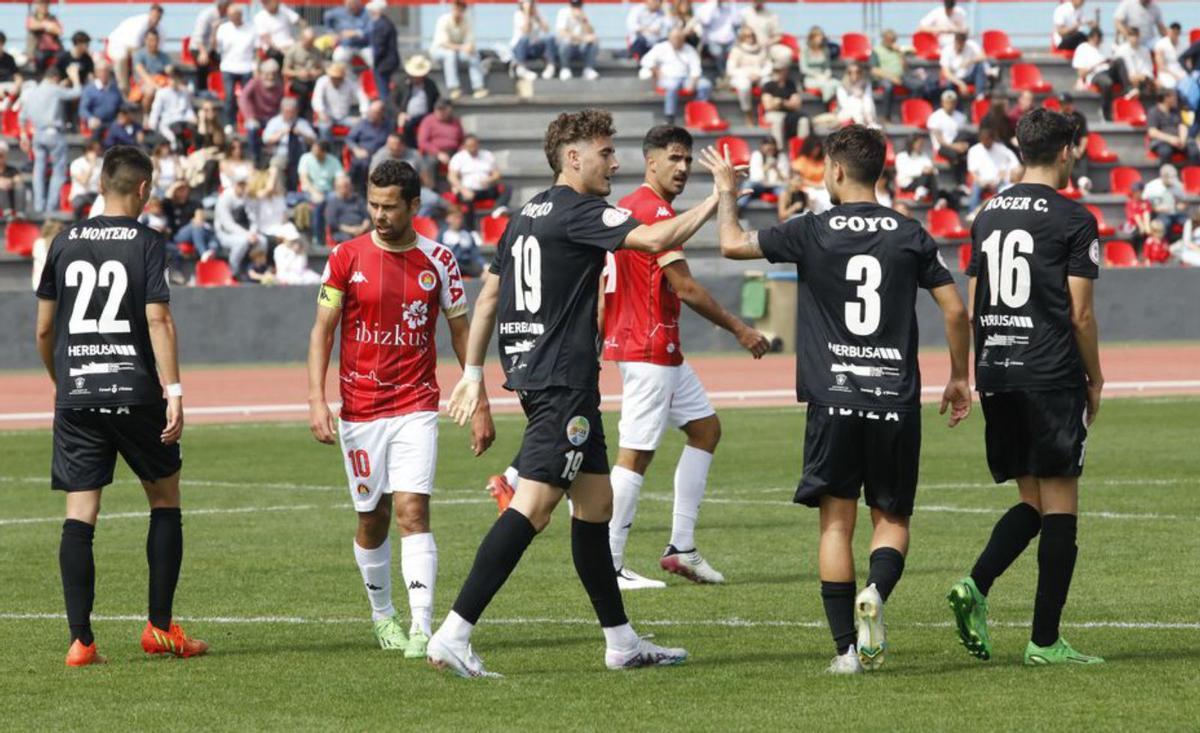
(731, 623)
(187, 512)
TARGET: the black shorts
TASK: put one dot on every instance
(849, 448)
(1040, 434)
(563, 436)
(87, 441)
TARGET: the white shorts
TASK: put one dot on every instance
(389, 455)
(654, 395)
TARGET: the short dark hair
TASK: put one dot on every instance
(125, 168)
(861, 150)
(662, 137)
(81, 37)
(3, 38)
(571, 127)
(154, 33)
(397, 173)
(157, 7)
(322, 146)
(1175, 26)
(1042, 134)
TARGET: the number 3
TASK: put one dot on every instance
(862, 318)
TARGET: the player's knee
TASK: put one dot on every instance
(373, 527)
(705, 434)
(412, 518)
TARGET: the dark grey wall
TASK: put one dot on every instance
(261, 324)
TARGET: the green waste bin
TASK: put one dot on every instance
(769, 302)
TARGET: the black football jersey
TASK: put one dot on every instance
(549, 262)
(102, 272)
(859, 266)
(1025, 242)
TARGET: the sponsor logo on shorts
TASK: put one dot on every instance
(363, 490)
(79, 382)
(614, 217)
(427, 280)
(578, 430)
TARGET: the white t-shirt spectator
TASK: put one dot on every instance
(332, 103)
(768, 173)
(672, 63)
(474, 171)
(945, 25)
(641, 21)
(992, 166)
(519, 19)
(910, 167)
(236, 44)
(1171, 71)
(947, 124)
(959, 63)
(279, 27)
(1088, 58)
(1066, 14)
(1161, 196)
(79, 168)
(566, 24)
(718, 21)
(129, 34)
(1138, 61)
(1146, 19)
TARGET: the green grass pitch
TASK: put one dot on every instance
(269, 580)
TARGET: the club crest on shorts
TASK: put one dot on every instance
(427, 280)
(363, 490)
(578, 430)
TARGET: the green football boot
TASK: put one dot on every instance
(389, 632)
(1060, 652)
(970, 617)
(417, 643)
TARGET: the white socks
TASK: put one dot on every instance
(619, 638)
(691, 479)
(456, 629)
(376, 567)
(626, 486)
(418, 564)
(510, 475)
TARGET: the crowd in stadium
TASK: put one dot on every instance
(263, 131)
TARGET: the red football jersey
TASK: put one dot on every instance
(641, 311)
(390, 302)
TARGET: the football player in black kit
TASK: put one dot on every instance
(859, 266)
(1035, 256)
(543, 287)
(105, 334)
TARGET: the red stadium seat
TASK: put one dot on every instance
(1194, 35)
(979, 108)
(1097, 149)
(186, 249)
(214, 273)
(185, 53)
(945, 223)
(1061, 53)
(1191, 179)
(425, 226)
(366, 80)
(791, 42)
(703, 116)
(889, 160)
(926, 46)
(1122, 178)
(1028, 77)
(1129, 111)
(1102, 227)
(1052, 104)
(64, 197)
(914, 112)
(19, 236)
(997, 46)
(1119, 254)
(739, 149)
(794, 146)
(1070, 192)
(491, 229)
(216, 84)
(856, 47)
(10, 124)
(964, 256)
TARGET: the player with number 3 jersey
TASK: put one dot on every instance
(859, 267)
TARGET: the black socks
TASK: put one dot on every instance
(594, 564)
(78, 577)
(838, 599)
(1011, 535)
(887, 564)
(1056, 564)
(498, 555)
(164, 555)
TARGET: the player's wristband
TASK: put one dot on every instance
(175, 390)
(473, 373)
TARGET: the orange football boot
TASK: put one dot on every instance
(175, 641)
(501, 491)
(81, 656)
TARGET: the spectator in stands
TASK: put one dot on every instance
(532, 38)
(915, 172)
(266, 206)
(781, 107)
(290, 135)
(368, 136)
(946, 134)
(150, 66)
(675, 68)
(235, 44)
(768, 174)
(259, 102)
(1137, 63)
(186, 223)
(816, 65)
(8, 68)
(41, 247)
(417, 98)
(1165, 195)
(809, 163)
(127, 38)
(454, 44)
(1166, 132)
(1095, 69)
(793, 200)
(42, 111)
(291, 264)
(681, 14)
(12, 186)
(43, 35)
(351, 26)
(85, 179)
(235, 164)
(1155, 250)
(992, 166)
(998, 117)
(202, 167)
(395, 149)
(317, 170)
(127, 128)
(208, 123)
(576, 39)
(1138, 215)
(1071, 26)
(889, 69)
(100, 101)
(333, 101)
(168, 169)
(276, 26)
(1080, 173)
(385, 49)
(231, 224)
(439, 136)
(463, 242)
(172, 115)
(748, 66)
(964, 65)
(203, 42)
(855, 98)
(945, 22)
(768, 29)
(303, 64)
(647, 26)
(718, 24)
(1166, 57)
(1143, 17)
(80, 55)
(1187, 249)
(1025, 103)
(345, 211)
(474, 176)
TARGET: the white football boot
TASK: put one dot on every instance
(645, 655)
(629, 580)
(690, 565)
(459, 659)
(872, 634)
(846, 663)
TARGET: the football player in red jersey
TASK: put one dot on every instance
(642, 293)
(385, 288)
